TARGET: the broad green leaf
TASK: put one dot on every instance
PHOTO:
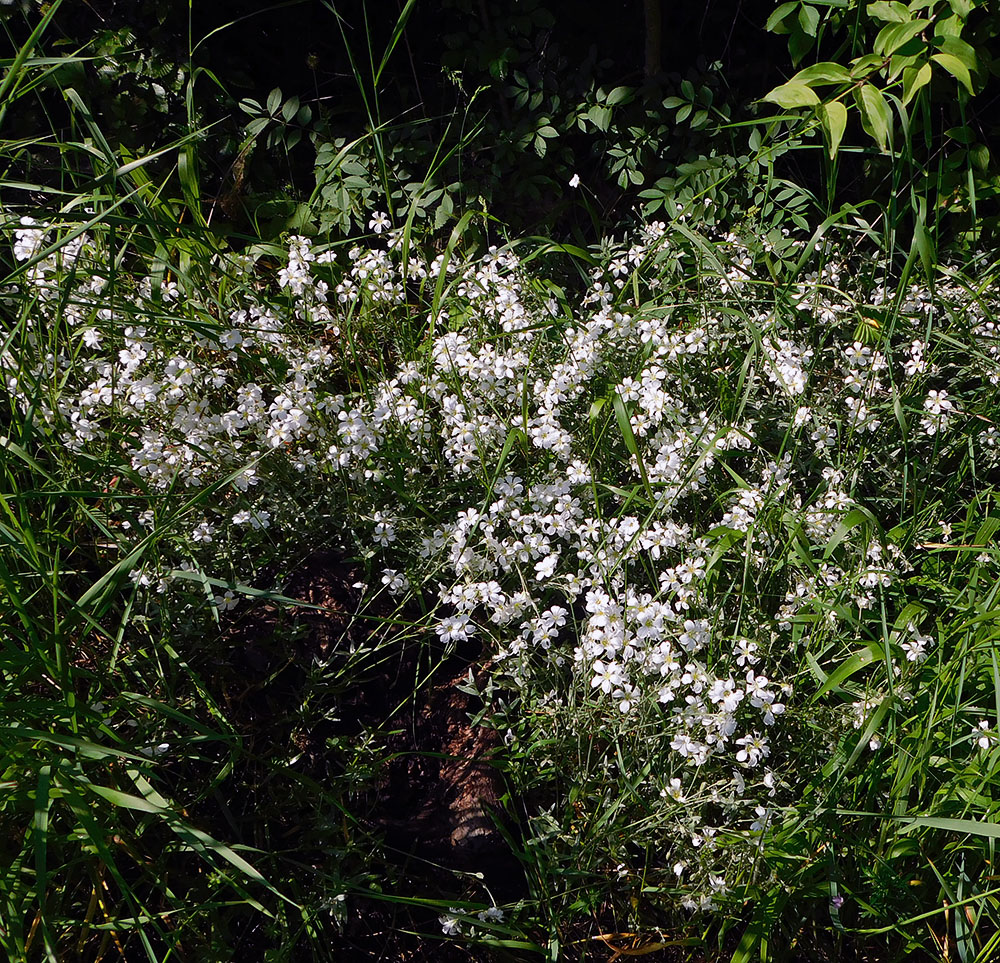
(618, 95)
(894, 36)
(986, 531)
(863, 66)
(875, 115)
(949, 27)
(888, 10)
(964, 135)
(793, 95)
(980, 156)
(834, 118)
(799, 44)
(289, 109)
(957, 47)
(808, 19)
(826, 72)
(956, 68)
(899, 62)
(914, 79)
(599, 116)
(774, 24)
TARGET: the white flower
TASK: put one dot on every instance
(607, 675)
(395, 582)
(574, 181)
(451, 922)
(937, 402)
(754, 749)
(379, 222)
(674, 791)
(203, 532)
(455, 628)
(227, 600)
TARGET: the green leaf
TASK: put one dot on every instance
(618, 95)
(825, 72)
(896, 35)
(914, 79)
(959, 48)
(980, 156)
(853, 663)
(127, 801)
(956, 68)
(863, 66)
(855, 517)
(599, 116)
(256, 126)
(970, 827)
(774, 22)
(892, 10)
(922, 241)
(792, 95)
(289, 109)
(964, 135)
(876, 117)
(808, 20)
(799, 44)
(834, 119)
(625, 426)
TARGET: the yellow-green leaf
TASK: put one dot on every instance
(876, 117)
(774, 22)
(808, 19)
(913, 80)
(882, 10)
(896, 35)
(826, 72)
(957, 47)
(793, 95)
(956, 68)
(834, 119)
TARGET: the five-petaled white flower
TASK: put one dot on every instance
(379, 222)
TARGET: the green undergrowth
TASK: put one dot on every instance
(717, 513)
(696, 523)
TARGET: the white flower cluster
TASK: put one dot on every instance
(610, 480)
